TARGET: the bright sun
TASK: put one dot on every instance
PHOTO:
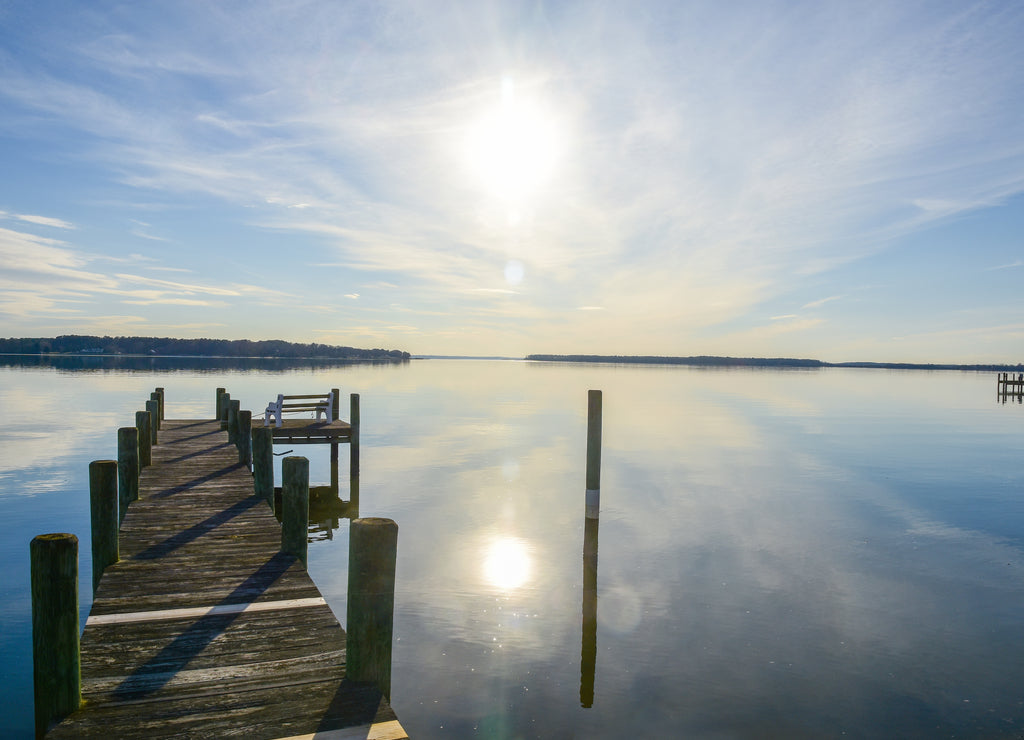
(513, 148)
(507, 563)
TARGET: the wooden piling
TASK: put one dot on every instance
(372, 554)
(160, 397)
(245, 437)
(593, 496)
(55, 638)
(263, 463)
(153, 407)
(336, 405)
(234, 407)
(144, 427)
(217, 403)
(223, 402)
(353, 446)
(127, 468)
(104, 515)
(155, 396)
(295, 506)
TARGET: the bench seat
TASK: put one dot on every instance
(316, 403)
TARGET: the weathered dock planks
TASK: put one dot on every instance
(204, 628)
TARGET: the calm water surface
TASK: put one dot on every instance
(782, 553)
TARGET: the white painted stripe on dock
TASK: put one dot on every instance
(379, 731)
(203, 611)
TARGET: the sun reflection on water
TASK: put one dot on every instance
(507, 563)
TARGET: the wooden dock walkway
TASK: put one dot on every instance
(1008, 384)
(204, 628)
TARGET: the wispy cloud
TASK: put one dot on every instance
(1008, 266)
(822, 301)
(55, 223)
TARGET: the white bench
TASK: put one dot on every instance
(317, 403)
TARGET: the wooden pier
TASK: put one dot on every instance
(1009, 385)
(204, 627)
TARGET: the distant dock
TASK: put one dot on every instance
(205, 624)
(1009, 385)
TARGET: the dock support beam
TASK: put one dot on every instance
(56, 658)
(153, 407)
(103, 509)
(295, 506)
(234, 407)
(336, 405)
(127, 469)
(354, 439)
(145, 428)
(245, 437)
(155, 396)
(263, 463)
(593, 454)
(223, 403)
(372, 553)
(160, 398)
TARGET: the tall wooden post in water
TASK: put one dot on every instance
(56, 658)
(593, 502)
(372, 554)
(354, 439)
(295, 506)
(103, 509)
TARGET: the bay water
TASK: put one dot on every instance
(781, 552)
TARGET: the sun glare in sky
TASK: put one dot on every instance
(513, 148)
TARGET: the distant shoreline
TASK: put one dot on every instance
(80, 345)
(712, 361)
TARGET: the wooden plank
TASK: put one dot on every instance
(160, 614)
(204, 628)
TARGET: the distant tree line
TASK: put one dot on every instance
(700, 360)
(764, 362)
(165, 346)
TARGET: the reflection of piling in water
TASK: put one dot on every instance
(588, 653)
(372, 554)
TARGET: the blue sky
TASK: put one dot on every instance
(837, 180)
